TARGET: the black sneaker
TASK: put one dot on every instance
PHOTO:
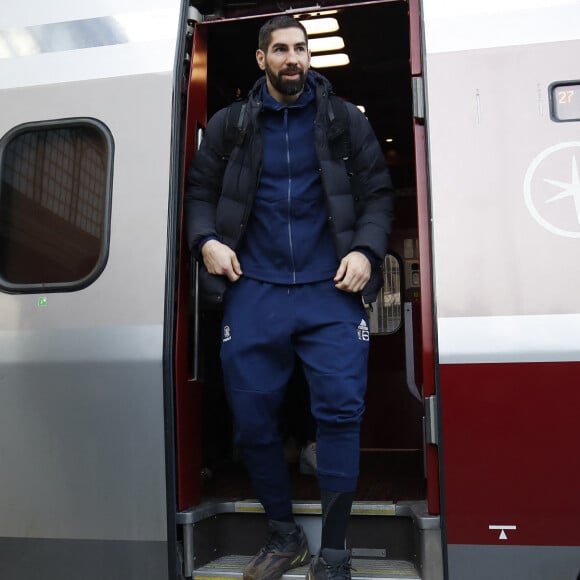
(283, 551)
(322, 570)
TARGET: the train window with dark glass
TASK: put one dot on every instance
(565, 101)
(54, 205)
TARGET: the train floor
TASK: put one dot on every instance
(385, 475)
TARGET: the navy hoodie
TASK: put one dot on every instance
(287, 240)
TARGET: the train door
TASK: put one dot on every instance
(396, 505)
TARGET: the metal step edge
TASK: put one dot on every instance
(229, 567)
(414, 509)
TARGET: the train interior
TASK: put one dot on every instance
(378, 78)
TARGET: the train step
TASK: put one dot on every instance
(387, 539)
(229, 567)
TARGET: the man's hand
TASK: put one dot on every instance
(221, 260)
(353, 273)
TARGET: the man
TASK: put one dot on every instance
(291, 244)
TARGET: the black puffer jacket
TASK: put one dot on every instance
(219, 194)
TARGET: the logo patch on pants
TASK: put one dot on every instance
(227, 334)
(363, 331)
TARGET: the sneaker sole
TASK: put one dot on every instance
(298, 561)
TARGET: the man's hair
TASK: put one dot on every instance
(282, 21)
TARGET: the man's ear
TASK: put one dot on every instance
(261, 59)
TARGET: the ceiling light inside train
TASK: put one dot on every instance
(320, 25)
(328, 60)
(326, 43)
(318, 14)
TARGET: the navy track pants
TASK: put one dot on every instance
(264, 327)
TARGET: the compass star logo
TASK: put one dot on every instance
(552, 189)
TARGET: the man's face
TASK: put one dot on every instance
(286, 64)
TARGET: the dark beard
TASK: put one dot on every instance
(284, 87)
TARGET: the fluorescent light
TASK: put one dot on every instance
(325, 43)
(320, 25)
(324, 13)
(313, 14)
(326, 60)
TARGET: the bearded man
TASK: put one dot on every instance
(291, 247)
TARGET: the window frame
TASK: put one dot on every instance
(45, 125)
(554, 109)
(374, 313)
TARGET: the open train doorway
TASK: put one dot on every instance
(382, 60)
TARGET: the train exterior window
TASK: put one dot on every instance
(386, 315)
(55, 182)
(565, 101)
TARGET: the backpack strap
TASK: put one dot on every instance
(235, 128)
(339, 132)
(338, 129)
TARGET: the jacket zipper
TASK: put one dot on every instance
(290, 244)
